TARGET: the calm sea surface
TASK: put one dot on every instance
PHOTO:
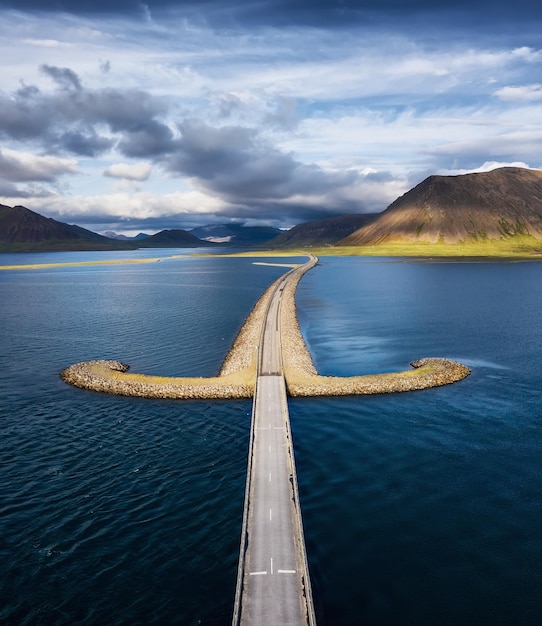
(419, 509)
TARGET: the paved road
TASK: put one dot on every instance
(273, 584)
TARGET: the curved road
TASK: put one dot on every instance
(273, 586)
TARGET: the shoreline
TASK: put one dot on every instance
(237, 375)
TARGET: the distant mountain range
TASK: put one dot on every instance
(174, 238)
(112, 235)
(24, 230)
(499, 204)
(236, 234)
(325, 232)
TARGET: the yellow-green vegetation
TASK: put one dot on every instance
(113, 377)
(516, 247)
(41, 266)
(519, 247)
(238, 373)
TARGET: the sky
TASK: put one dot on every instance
(130, 116)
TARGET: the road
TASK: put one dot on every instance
(273, 583)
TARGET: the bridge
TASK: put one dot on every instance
(273, 584)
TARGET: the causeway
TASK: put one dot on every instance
(273, 584)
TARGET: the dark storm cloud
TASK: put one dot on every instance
(83, 142)
(148, 138)
(236, 164)
(72, 119)
(231, 162)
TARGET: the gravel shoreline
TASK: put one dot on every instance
(237, 375)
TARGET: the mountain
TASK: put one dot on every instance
(236, 234)
(113, 235)
(322, 232)
(173, 238)
(24, 230)
(499, 204)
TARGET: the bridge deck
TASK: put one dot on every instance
(273, 584)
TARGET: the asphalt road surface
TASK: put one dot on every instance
(273, 584)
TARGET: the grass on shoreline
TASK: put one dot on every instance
(516, 248)
(526, 248)
(41, 266)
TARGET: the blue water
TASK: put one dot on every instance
(425, 508)
(420, 508)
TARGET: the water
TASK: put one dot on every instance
(420, 508)
(424, 508)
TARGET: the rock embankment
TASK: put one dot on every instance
(236, 378)
(113, 377)
(428, 372)
(302, 379)
(238, 373)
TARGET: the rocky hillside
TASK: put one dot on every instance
(321, 232)
(499, 204)
(23, 229)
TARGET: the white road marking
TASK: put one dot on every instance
(269, 476)
(258, 573)
(271, 565)
(270, 514)
(286, 571)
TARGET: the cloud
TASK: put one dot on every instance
(83, 121)
(241, 167)
(46, 43)
(146, 138)
(63, 77)
(488, 166)
(137, 171)
(27, 167)
(338, 110)
(529, 93)
(174, 210)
